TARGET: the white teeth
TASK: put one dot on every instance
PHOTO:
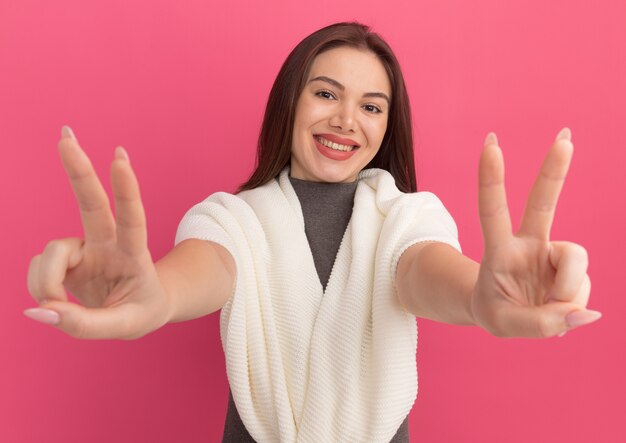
(333, 145)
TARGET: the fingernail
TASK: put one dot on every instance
(580, 318)
(562, 334)
(565, 134)
(121, 153)
(42, 315)
(491, 139)
(66, 131)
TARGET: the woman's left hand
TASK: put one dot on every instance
(528, 286)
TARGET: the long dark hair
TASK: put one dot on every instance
(274, 146)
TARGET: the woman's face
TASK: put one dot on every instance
(341, 116)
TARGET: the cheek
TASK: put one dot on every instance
(312, 111)
(375, 131)
(300, 125)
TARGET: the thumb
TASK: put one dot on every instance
(114, 322)
(548, 320)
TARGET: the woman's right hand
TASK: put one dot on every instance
(110, 271)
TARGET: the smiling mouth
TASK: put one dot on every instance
(335, 146)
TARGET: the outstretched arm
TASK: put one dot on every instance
(110, 271)
(526, 285)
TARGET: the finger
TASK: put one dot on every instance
(582, 297)
(129, 212)
(32, 279)
(581, 317)
(543, 321)
(541, 205)
(114, 322)
(570, 261)
(93, 202)
(57, 257)
(492, 205)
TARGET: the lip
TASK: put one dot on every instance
(331, 153)
(336, 139)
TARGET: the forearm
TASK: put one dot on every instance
(436, 282)
(198, 278)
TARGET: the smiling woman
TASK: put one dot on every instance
(322, 261)
(345, 82)
(339, 123)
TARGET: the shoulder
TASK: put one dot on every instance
(382, 186)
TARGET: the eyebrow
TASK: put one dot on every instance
(342, 87)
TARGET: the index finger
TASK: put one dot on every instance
(492, 205)
(95, 211)
(541, 205)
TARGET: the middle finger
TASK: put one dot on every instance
(541, 205)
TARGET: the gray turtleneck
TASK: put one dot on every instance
(326, 209)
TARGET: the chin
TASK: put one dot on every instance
(337, 174)
(321, 169)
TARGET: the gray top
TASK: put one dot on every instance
(326, 209)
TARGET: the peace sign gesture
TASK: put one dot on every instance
(110, 271)
(528, 286)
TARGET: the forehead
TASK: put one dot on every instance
(354, 68)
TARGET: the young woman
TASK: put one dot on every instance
(322, 261)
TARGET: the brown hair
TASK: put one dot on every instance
(274, 145)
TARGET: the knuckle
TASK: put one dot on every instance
(34, 262)
(53, 247)
(133, 336)
(496, 332)
(581, 297)
(497, 327)
(544, 327)
(58, 248)
(79, 329)
(47, 288)
(33, 291)
(578, 251)
(497, 210)
(543, 206)
(33, 272)
(102, 204)
(130, 221)
(126, 330)
(130, 333)
(584, 255)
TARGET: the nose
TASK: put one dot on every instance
(343, 119)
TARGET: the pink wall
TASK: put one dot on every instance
(182, 86)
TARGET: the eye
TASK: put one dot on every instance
(373, 109)
(325, 94)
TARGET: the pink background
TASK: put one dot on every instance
(182, 85)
